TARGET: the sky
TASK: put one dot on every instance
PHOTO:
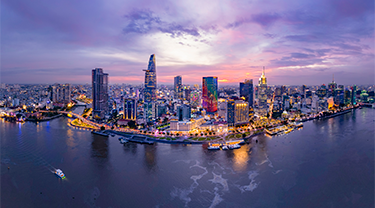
(298, 42)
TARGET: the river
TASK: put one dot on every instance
(328, 163)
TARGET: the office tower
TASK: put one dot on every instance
(230, 112)
(99, 93)
(130, 109)
(149, 111)
(354, 90)
(222, 108)
(186, 93)
(183, 112)
(247, 91)
(150, 80)
(322, 91)
(161, 109)
(237, 112)
(331, 87)
(177, 87)
(262, 94)
(60, 93)
(209, 94)
(347, 96)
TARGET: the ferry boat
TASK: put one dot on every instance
(59, 173)
(213, 146)
(224, 147)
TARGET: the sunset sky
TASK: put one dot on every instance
(299, 42)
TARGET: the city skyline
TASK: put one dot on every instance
(298, 42)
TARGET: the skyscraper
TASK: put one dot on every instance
(247, 91)
(237, 112)
(209, 94)
(262, 95)
(150, 80)
(60, 93)
(99, 93)
(130, 109)
(177, 87)
(331, 87)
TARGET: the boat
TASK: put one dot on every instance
(236, 146)
(59, 173)
(123, 140)
(224, 147)
(213, 146)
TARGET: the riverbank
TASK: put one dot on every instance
(43, 119)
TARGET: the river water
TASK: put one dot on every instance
(328, 163)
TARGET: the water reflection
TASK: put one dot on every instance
(150, 156)
(132, 147)
(241, 157)
(99, 147)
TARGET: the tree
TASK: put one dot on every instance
(132, 124)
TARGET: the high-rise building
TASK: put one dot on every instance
(99, 93)
(195, 99)
(60, 93)
(130, 109)
(354, 90)
(183, 112)
(237, 112)
(262, 94)
(161, 109)
(222, 108)
(177, 87)
(247, 91)
(209, 94)
(331, 87)
(150, 80)
(149, 111)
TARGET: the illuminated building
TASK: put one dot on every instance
(237, 112)
(195, 99)
(354, 89)
(130, 109)
(187, 93)
(331, 87)
(183, 112)
(222, 108)
(99, 93)
(150, 80)
(161, 109)
(247, 91)
(177, 87)
(347, 96)
(209, 94)
(262, 94)
(149, 111)
(60, 93)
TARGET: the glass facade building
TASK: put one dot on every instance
(262, 93)
(99, 93)
(150, 80)
(247, 91)
(130, 109)
(209, 94)
(178, 87)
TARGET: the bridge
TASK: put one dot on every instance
(75, 115)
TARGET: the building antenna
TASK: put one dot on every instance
(333, 78)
